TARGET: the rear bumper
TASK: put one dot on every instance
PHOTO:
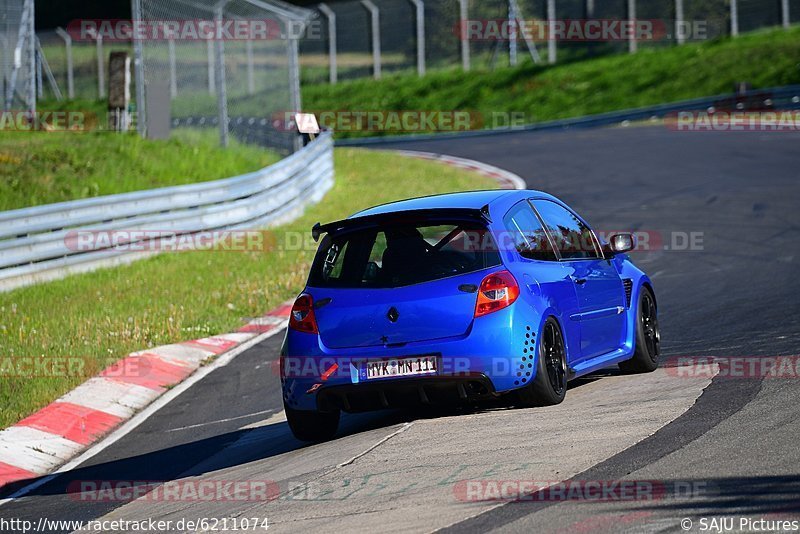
(403, 393)
(497, 355)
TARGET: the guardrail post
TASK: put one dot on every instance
(551, 41)
(212, 84)
(138, 67)
(375, 24)
(222, 90)
(734, 18)
(785, 13)
(464, 15)
(680, 29)
(173, 74)
(70, 74)
(331, 16)
(101, 67)
(420, 25)
(251, 76)
(633, 43)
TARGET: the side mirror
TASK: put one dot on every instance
(621, 243)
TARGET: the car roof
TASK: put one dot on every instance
(465, 200)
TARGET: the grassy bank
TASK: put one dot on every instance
(101, 316)
(539, 93)
(40, 168)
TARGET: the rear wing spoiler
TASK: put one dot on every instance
(481, 215)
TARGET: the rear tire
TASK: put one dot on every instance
(648, 336)
(312, 426)
(549, 386)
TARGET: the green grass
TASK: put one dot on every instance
(41, 168)
(102, 316)
(540, 93)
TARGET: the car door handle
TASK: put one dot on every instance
(579, 281)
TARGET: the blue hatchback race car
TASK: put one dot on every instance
(460, 298)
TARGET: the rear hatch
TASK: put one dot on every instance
(390, 282)
(373, 317)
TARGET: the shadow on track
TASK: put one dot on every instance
(202, 456)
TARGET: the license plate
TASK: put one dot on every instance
(414, 366)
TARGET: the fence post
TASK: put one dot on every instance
(734, 18)
(551, 41)
(219, 75)
(70, 74)
(420, 23)
(101, 67)
(251, 76)
(45, 66)
(525, 37)
(138, 68)
(464, 15)
(331, 16)
(680, 30)
(32, 58)
(512, 34)
(785, 13)
(173, 74)
(11, 83)
(376, 37)
(633, 44)
(294, 83)
(39, 84)
(212, 83)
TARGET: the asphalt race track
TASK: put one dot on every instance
(713, 443)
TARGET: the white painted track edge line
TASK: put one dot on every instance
(515, 179)
(400, 430)
(130, 425)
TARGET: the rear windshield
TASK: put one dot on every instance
(402, 254)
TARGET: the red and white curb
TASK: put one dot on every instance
(42, 442)
(506, 179)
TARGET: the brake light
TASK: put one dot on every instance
(302, 316)
(498, 290)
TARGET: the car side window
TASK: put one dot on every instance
(573, 239)
(526, 234)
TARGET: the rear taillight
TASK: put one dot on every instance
(498, 290)
(302, 317)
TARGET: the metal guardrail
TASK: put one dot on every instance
(34, 244)
(778, 98)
